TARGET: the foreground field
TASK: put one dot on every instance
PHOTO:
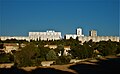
(106, 65)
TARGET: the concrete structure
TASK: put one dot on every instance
(14, 37)
(74, 36)
(51, 46)
(66, 49)
(92, 33)
(47, 63)
(98, 38)
(92, 36)
(7, 65)
(76, 61)
(48, 35)
(10, 46)
(79, 32)
(68, 36)
(52, 35)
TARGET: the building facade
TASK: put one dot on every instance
(92, 36)
(92, 33)
(98, 38)
(74, 36)
(79, 32)
(52, 35)
(48, 35)
(68, 36)
(14, 37)
(8, 47)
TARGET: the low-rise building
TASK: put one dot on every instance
(8, 47)
(51, 46)
(6, 65)
(68, 36)
(14, 37)
(66, 50)
(98, 38)
(47, 63)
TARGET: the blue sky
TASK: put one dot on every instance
(18, 17)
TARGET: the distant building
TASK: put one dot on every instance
(51, 46)
(52, 35)
(48, 35)
(92, 33)
(68, 36)
(74, 36)
(98, 38)
(6, 65)
(14, 37)
(66, 50)
(8, 47)
(92, 36)
(47, 63)
(79, 32)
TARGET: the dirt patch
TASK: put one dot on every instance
(66, 67)
(59, 67)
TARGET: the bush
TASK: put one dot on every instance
(6, 58)
(63, 60)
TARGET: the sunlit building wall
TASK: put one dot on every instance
(74, 36)
(48, 35)
(98, 38)
(14, 37)
(92, 33)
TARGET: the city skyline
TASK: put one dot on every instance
(18, 17)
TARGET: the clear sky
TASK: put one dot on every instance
(18, 17)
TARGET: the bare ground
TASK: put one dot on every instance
(67, 66)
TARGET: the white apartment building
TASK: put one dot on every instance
(98, 38)
(74, 36)
(79, 32)
(14, 37)
(93, 33)
(52, 35)
(92, 36)
(48, 35)
(68, 36)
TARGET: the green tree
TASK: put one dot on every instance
(76, 51)
(82, 51)
(107, 48)
(43, 52)
(25, 56)
(63, 60)
(51, 56)
(59, 49)
(6, 58)
(1, 45)
(88, 50)
(118, 48)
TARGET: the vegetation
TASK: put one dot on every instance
(6, 58)
(34, 52)
(51, 55)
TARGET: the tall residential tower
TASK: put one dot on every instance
(93, 33)
(79, 32)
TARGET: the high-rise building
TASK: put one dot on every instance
(93, 33)
(79, 32)
(74, 36)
